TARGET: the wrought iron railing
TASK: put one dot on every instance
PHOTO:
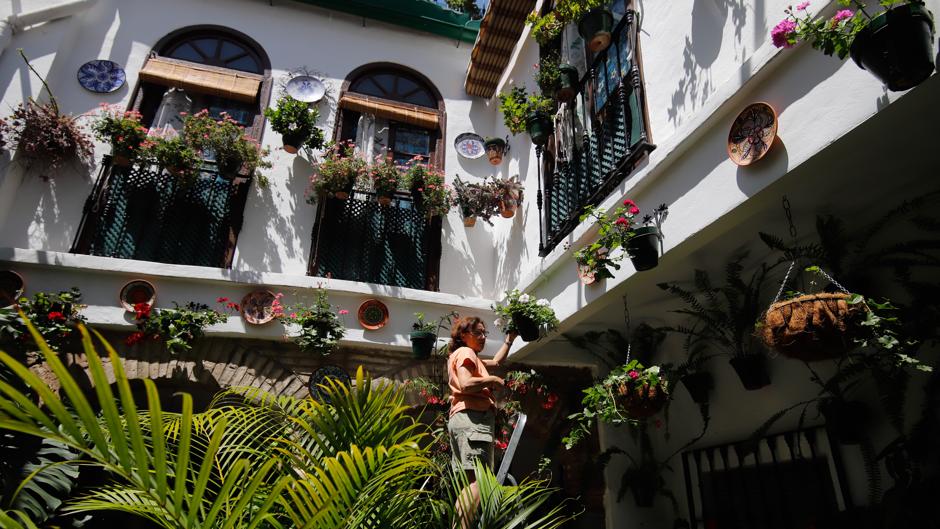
(143, 212)
(358, 239)
(607, 123)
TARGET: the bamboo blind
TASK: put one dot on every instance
(239, 86)
(410, 114)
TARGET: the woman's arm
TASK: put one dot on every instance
(503, 351)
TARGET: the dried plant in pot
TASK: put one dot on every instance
(475, 201)
(508, 195)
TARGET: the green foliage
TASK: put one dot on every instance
(517, 104)
(122, 129)
(175, 155)
(296, 119)
(519, 303)
(469, 7)
(614, 231)
(437, 196)
(548, 74)
(178, 327)
(600, 403)
(338, 170)
(547, 27)
(386, 175)
(54, 315)
(423, 326)
(320, 327)
(226, 139)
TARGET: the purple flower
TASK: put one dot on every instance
(802, 6)
(783, 34)
(841, 15)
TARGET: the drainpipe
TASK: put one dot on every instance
(20, 21)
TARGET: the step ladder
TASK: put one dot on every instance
(503, 473)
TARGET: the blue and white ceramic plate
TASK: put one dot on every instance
(319, 376)
(469, 145)
(101, 76)
(306, 89)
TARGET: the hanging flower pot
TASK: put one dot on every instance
(643, 248)
(384, 200)
(527, 327)
(495, 148)
(470, 221)
(897, 46)
(586, 274)
(595, 27)
(698, 385)
(136, 292)
(539, 127)
(846, 421)
(641, 401)
(293, 142)
(422, 344)
(11, 287)
(812, 327)
(508, 204)
(752, 370)
(568, 83)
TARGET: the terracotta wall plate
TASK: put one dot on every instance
(752, 133)
(137, 291)
(373, 314)
(257, 307)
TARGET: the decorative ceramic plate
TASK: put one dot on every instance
(306, 88)
(469, 145)
(101, 76)
(319, 376)
(258, 307)
(11, 287)
(137, 291)
(373, 314)
(752, 133)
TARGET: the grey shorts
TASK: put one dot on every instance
(471, 438)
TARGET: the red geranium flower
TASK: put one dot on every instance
(634, 375)
(56, 316)
(134, 338)
(142, 311)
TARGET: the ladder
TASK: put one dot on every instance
(503, 471)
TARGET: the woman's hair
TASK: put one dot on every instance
(461, 326)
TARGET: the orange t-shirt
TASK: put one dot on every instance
(459, 401)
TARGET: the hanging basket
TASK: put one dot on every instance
(812, 327)
(643, 248)
(569, 82)
(527, 327)
(539, 127)
(470, 221)
(595, 27)
(897, 46)
(641, 402)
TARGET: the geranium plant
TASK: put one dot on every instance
(517, 104)
(225, 140)
(614, 231)
(629, 393)
(320, 327)
(122, 129)
(476, 200)
(296, 121)
(178, 327)
(54, 315)
(520, 308)
(435, 196)
(832, 35)
(385, 175)
(174, 155)
(338, 171)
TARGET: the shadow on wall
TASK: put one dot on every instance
(278, 223)
(520, 241)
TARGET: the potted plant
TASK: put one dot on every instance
(320, 327)
(54, 315)
(386, 177)
(629, 394)
(225, 141)
(546, 28)
(538, 119)
(337, 172)
(525, 315)
(495, 149)
(178, 327)
(614, 231)
(547, 73)
(594, 263)
(895, 44)
(514, 105)
(595, 27)
(174, 155)
(430, 192)
(122, 129)
(475, 201)
(644, 246)
(508, 195)
(722, 317)
(296, 122)
(42, 135)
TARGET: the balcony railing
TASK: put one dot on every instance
(143, 212)
(358, 239)
(608, 127)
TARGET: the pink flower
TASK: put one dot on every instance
(222, 300)
(622, 221)
(634, 210)
(293, 315)
(802, 6)
(840, 16)
(784, 34)
(343, 312)
(629, 202)
(634, 375)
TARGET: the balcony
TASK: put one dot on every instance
(145, 213)
(610, 138)
(359, 240)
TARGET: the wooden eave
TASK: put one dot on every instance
(499, 31)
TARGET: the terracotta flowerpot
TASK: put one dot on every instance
(292, 142)
(528, 329)
(586, 275)
(137, 291)
(342, 195)
(384, 200)
(595, 27)
(812, 327)
(495, 148)
(539, 127)
(470, 222)
(508, 205)
(12, 286)
(422, 344)
(121, 160)
(643, 248)
(752, 370)
(568, 87)
(642, 401)
(897, 46)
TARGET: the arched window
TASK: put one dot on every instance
(395, 86)
(215, 48)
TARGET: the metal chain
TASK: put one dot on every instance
(626, 322)
(783, 284)
(833, 281)
(789, 213)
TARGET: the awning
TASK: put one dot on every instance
(230, 84)
(499, 32)
(410, 114)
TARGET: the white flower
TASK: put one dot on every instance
(524, 298)
(542, 302)
(499, 323)
(653, 370)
